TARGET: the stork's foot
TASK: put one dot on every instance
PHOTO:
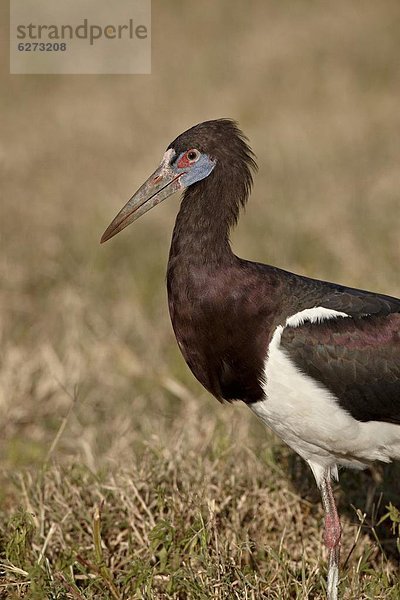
(333, 574)
(332, 535)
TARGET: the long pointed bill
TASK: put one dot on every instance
(161, 184)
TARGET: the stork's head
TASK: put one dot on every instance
(190, 158)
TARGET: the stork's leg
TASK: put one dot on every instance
(332, 534)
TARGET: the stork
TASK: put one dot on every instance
(317, 362)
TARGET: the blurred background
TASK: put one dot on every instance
(86, 341)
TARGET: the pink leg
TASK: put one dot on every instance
(332, 534)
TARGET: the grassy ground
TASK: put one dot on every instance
(120, 477)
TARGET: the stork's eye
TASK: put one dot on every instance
(193, 155)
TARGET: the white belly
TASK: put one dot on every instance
(308, 417)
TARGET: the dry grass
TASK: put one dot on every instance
(120, 477)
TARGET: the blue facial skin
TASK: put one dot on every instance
(196, 171)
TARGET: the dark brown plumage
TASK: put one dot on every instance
(225, 309)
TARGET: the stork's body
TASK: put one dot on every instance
(319, 363)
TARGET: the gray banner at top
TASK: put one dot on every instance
(80, 37)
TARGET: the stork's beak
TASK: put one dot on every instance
(161, 184)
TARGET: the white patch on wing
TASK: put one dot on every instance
(308, 417)
(313, 315)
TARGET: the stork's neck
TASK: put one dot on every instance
(208, 211)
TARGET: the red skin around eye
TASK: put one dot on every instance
(184, 162)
